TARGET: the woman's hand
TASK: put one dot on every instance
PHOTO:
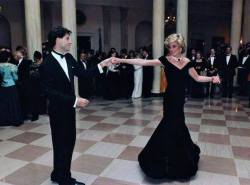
(115, 60)
(216, 79)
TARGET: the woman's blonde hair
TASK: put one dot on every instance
(178, 38)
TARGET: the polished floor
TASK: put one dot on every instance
(112, 133)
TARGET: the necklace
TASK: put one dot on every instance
(177, 59)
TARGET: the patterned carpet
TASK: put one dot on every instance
(110, 134)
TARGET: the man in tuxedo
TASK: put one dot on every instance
(23, 83)
(227, 68)
(212, 66)
(246, 66)
(84, 85)
(57, 80)
(242, 72)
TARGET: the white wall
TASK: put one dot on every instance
(94, 20)
(135, 16)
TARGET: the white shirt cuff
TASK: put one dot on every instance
(75, 103)
(100, 68)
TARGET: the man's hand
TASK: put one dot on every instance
(106, 62)
(81, 102)
(115, 60)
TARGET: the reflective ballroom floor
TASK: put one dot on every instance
(110, 134)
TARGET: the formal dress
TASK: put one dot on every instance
(197, 89)
(170, 152)
(137, 91)
(10, 110)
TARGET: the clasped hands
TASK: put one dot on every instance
(216, 79)
(109, 61)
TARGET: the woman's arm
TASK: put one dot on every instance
(137, 61)
(198, 78)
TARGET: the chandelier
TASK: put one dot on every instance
(170, 17)
(170, 20)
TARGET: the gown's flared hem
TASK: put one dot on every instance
(170, 154)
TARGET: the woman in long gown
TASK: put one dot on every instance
(170, 152)
(197, 89)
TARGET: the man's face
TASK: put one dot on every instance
(144, 53)
(228, 50)
(64, 43)
(193, 52)
(83, 56)
(17, 55)
(212, 52)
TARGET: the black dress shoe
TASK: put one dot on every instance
(72, 183)
(78, 183)
(34, 118)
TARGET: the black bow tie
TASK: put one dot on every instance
(61, 55)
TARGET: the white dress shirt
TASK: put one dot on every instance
(212, 60)
(63, 64)
(85, 65)
(19, 61)
(228, 58)
(244, 59)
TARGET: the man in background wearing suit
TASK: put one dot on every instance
(242, 72)
(23, 83)
(228, 65)
(57, 80)
(85, 86)
(212, 70)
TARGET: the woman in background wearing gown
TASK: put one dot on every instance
(197, 89)
(170, 152)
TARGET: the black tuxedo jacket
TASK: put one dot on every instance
(57, 86)
(228, 70)
(246, 65)
(24, 70)
(82, 65)
(23, 82)
(212, 69)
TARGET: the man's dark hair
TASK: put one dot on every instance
(37, 55)
(145, 49)
(57, 32)
(4, 56)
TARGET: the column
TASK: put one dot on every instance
(124, 27)
(246, 25)
(236, 25)
(69, 21)
(182, 18)
(106, 28)
(158, 39)
(33, 26)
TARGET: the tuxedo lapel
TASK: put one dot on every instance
(70, 70)
(60, 70)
